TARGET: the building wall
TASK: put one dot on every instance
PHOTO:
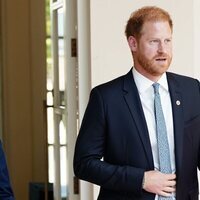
(196, 26)
(109, 50)
(1, 53)
(23, 80)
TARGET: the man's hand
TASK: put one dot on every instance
(159, 183)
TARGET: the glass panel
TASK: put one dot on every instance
(61, 63)
(49, 62)
(51, 164)
(49, 98)
(57, 140)
(50, 126)
(62, 127)
(63, 170)
(48, 21)
(60, 22)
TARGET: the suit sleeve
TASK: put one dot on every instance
(199, 126)
(6, 192)
(89, 151)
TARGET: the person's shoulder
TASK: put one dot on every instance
(181, 78)
(112, 85)
(184, 82)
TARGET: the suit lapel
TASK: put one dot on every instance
(132, 99)
(177, 108)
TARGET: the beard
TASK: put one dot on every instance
(153, 66)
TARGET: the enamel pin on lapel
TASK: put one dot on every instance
(178, 103)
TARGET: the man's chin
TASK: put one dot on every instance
(159, 72)
(160, 69)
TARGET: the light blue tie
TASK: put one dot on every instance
(162, 140)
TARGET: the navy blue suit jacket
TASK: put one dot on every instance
(6, 192)
(114, 128)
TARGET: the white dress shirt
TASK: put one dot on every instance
(146, 93)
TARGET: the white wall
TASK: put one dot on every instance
(109, 50)
(110, 55)
(196, 21)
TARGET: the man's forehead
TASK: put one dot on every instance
(156, 26)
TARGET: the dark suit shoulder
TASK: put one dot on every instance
(189, 90)
(182, 80)
(180, 77)
(112, 85)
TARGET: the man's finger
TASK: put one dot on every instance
(169, 189)
(164, 194)
(171, 176)
(172, 183)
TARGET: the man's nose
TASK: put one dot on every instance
(161, 47)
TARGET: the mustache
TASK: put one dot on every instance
(164, 55)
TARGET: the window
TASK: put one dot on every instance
(56, 106)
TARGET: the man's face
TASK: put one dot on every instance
(153, 50)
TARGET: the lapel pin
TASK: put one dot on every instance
(178, 103)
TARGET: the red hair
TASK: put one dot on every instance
(142, 15)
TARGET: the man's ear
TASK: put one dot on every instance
(132, 43)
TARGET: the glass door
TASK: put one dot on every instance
(62, 97)
(57, 136)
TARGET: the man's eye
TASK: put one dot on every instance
(154, 41)
(167, 40)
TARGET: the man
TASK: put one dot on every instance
(6, 192)
(145, 124)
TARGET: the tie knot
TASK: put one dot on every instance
(156, 88)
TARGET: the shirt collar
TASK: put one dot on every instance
(144, 83)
